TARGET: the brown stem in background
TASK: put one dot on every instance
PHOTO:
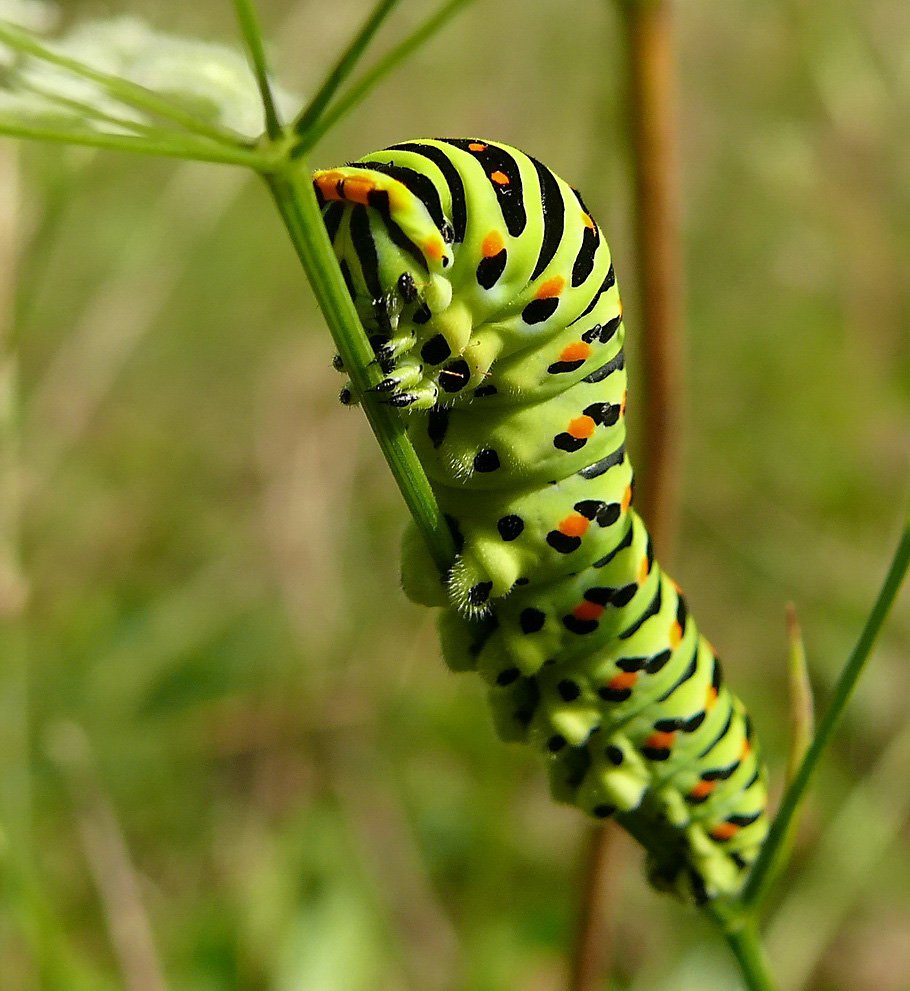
(15, 784)
(652, 126)
(653, 129)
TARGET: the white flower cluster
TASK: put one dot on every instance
(211, 81)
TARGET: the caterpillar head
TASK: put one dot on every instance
(393, 255)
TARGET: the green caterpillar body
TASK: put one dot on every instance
(490, 298)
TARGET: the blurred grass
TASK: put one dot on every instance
(306, 797)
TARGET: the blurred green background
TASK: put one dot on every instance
(232, 756)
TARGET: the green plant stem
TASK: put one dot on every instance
(360, 89)
(296, 201)
(166, 146)
(130, 93)
(344, 66)
(250, 29)
(769, 860)
(744, 942)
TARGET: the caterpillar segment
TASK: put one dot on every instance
(489, 295)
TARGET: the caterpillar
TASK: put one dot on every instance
(489, 296)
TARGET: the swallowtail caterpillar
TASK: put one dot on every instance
(488, 292)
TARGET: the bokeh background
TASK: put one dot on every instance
(232, 757)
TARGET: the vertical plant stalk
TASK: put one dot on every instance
(652, 125)
(14, 731)
(741, 935)
(653, 128)
(590, 954)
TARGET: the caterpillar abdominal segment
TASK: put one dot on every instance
(489, 295)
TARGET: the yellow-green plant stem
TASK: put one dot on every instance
(130, 93)
(344, 66)
(768, 862)
(296, 201)
(248, 20)
(359, 90)
(165, 144)
(741, 934)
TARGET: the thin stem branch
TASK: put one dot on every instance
(130, 93)
(169, 146)
(250, 29)
(768, 862)
(344, 66)
(297, 204)
(360, 89)
(89, 112)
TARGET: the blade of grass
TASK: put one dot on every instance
(802, 710)
(868, 824)
(343, 67)
(767, 864)
(109, 860)
(172, 146)
(359, 90)
(132, 94)
(251, 31)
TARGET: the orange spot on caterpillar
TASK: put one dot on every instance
(622, 681)
(552, 287)
(500, 178)
(334, 186)
(643, 569)
(622, 405)
(492, 244)
(588, 610)
(476, 146)
(703, 789)
(574, 525)
(356, 190)
(581, 427)
(577, 351)
(627, 498)
(725, 831)
(433, 248)
(747, 749)
(587, 220)
(676, 633)
(660, 741)
(710, 697)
